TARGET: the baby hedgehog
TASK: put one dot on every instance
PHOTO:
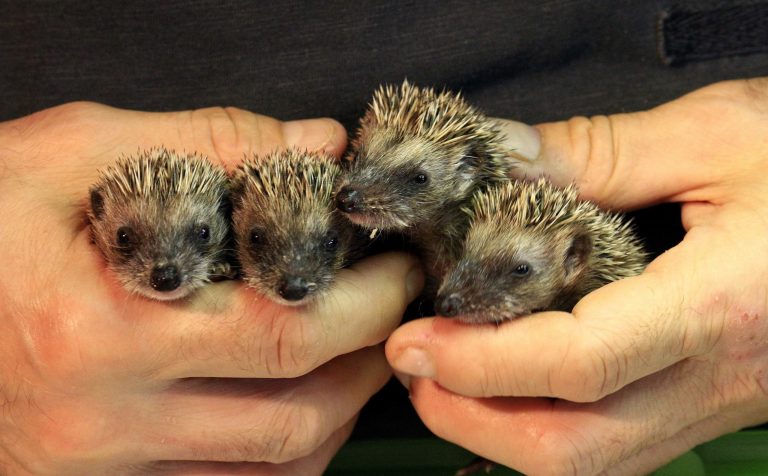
(416, 152)
(419, 155)
(161, 220)
(291, 240)
(534, 247)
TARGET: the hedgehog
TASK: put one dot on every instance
(161, 221)
(290, 239)
(533, 247)
(418, 157)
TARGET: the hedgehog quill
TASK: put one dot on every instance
(533, 247)
(161, 220)
(417, 157)
(291, 240)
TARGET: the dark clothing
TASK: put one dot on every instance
(528, 60)
(533, 61)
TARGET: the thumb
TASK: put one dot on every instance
(673, 152)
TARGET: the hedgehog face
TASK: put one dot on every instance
(395, 182)
(506, 273)
(163, 249)
(291, 240)
(291, 254)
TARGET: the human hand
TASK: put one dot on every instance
(645, 368)
(96, 381)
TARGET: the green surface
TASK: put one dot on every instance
(744, 454)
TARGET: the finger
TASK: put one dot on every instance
(227, 330)
(616, 335)
(313, 464)
(275, 421)
(548, 436)
(223, 330)
(523, 146)
(84, 137)
(673, 152)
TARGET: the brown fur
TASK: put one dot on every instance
(533, 247)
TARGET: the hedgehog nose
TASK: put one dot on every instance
(165, 278)
(449, 306)
(294, 288)
(348, 200)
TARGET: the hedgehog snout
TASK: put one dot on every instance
(349, 200)
(165, 278)
(293, 288)
(450, 305)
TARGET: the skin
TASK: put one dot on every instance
(644, 368)
(98, 381)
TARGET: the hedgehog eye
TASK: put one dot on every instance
(255, 236)
(331, 241)
(522, 269)
(125, 237)
(421, 178)
(204, 233)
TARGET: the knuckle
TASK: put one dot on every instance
(223, 131)
(594, 371)
(592, 141)
(293, 432)
(293, 346)
(494, 380)
(230, 131)
(279, 344)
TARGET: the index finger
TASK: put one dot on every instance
(73, 141)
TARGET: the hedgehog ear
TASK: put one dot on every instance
(97, 203)
(576, 256)
(470, 160)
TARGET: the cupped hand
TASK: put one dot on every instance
(645, 368)
(94, 380)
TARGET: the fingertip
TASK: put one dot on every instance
(404, 379)
(320, 134)
(414, 334)
(414, 361)
(523, 145)
(564, 150)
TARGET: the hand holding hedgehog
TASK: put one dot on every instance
(646, 367)
(96, 380)
(534, 247)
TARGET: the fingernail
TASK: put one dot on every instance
(415, 362)
(522, 140)
(414, 282)
(312, 134)
(404, 379)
